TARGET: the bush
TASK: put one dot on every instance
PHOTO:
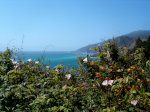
(116, 81)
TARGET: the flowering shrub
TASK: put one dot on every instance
(116, 81)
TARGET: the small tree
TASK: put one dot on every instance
(139, 43)
(114, 51)
(147, 48)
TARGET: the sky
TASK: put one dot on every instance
(66, 25)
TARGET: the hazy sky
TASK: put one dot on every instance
(63, 25)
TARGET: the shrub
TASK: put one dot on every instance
(116, 81)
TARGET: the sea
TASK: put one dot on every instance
(51, 59)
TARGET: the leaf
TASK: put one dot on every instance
(114, 87)
(146, 93)
(98, 45)
(91, 49)
(126, 79)
(96, 48)
(61, 108)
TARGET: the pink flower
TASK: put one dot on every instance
(29, 60)
(11, 60)
(107, 82)
(68, 76)
(64, 86)
(56, 70)
(36, 62)
(47, 73)
(14, 62)
(86, 82)
(47, 67)
(85, 60)
(15, 57)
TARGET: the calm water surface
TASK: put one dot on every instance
(52, 58)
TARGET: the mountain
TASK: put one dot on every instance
(127, 40)
(139, 33)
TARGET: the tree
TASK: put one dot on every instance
(145, 45)
(147, 48)
(114, 51)
(139, 43)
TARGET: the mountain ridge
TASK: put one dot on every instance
(128, 40)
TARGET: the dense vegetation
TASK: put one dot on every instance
(126, 40)
(145, 45)
(115, 81)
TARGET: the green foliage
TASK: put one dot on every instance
(117, 81)
(145, 45)
(114, 51)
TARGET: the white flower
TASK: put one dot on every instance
(110, 82)
(14, 62)
(64, 86)
(134, 102)
(107, 82)
(68, 76)
(56, 70)
(134, 91)
(11, 60)
(36, 62)
(16, 66)
(85, 60)
(108, 54)
(29, 60)
(47, 67)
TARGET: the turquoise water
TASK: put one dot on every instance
(52, 58)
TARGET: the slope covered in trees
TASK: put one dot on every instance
(127, 40)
